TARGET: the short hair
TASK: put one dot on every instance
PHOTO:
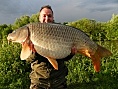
(46, 6)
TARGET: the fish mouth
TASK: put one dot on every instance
(10, 39)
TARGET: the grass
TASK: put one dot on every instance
(82, 75)
(14, 73)
(104, 81)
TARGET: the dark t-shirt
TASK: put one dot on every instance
(46, 66)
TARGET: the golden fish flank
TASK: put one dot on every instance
(55, 41)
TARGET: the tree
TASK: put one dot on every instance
(23, 20)
(112, 28)
(34, 18)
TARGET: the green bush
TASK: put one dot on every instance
(14, 73)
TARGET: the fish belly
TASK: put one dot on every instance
(53, 51)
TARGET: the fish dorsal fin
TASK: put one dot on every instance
(25, 52)
(53, 62)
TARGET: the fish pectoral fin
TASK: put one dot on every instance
(31, 46)
(25, 52)
(53, 62)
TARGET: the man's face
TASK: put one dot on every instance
(46, 16)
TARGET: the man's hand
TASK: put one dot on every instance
(73, 50)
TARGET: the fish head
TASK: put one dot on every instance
(19, 35)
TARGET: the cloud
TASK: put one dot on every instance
(9, 7)
(98, 5)
(64, 10)
(101, 9)
(12, 9)
(107, 1)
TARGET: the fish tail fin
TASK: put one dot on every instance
(103, 52)
(100, 53)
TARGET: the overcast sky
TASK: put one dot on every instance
(64, 10)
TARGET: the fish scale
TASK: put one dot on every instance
(56, 41)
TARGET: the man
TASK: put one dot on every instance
(43, 75)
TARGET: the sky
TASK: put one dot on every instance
(64, 10)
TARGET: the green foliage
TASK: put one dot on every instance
(82, 75)
(23, 20)
(14, 73)
(34, 18)
(98, 30)
(112, 28)
(4, 30)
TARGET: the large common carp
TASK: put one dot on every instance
(55, 41)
